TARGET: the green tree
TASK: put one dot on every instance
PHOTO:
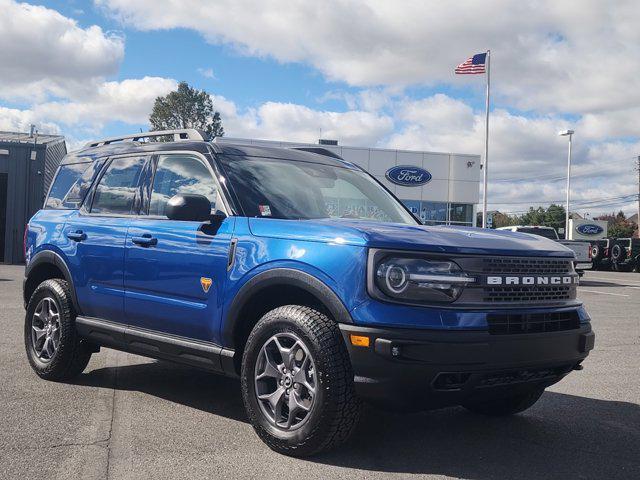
(555, 216)
(186, 107)
(621, 228)
(535, 216)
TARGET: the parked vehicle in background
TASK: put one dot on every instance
(581, 248)
(601, 253)
(625, 254)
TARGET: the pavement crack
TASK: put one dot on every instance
(97, 443)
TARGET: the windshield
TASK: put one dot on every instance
(543, 232)
(275, 188)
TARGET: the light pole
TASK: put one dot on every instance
(567, 133)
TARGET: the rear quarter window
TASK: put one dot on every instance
(71, 185)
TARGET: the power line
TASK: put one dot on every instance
(559, 176)
(580, 206)
(619, 197)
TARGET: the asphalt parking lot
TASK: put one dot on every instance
(132, 417)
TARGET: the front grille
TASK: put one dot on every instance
(509, 324)
(527, 266)
(528, 293)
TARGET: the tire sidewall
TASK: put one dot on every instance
(55, 290)
(266, 330)
(616, 253)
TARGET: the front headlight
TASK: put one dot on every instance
(418, 280)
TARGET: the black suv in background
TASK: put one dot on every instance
(625, 254)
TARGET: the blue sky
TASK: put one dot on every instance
(364, 72)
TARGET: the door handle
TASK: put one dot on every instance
(77, 236)
(145, 240)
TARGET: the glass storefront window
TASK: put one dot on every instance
(441, 213)
(433, 213)
(461, 214)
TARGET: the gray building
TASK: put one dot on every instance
(27, 165)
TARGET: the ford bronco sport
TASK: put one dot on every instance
(297, 272)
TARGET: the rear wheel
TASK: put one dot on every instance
(297, 382)
(53, 348)
(508, 405)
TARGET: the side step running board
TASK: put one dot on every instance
(148, 343)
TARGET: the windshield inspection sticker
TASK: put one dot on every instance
(265, 210)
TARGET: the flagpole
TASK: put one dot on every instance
(485, 169)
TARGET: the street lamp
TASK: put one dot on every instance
(567, 133)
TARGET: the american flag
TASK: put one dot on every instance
(474, 65)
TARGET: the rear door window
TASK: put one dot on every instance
(116, 191)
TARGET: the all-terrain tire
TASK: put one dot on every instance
(72, 353)
(336, 409)
(507, 405)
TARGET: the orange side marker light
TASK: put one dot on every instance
(359, 340)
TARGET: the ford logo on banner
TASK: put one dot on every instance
(589, 229)
(408, 176)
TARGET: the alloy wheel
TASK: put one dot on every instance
(285, 381)
(45, 329)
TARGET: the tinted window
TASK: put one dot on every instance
(301, 190)
(543, 232)
(67, 178)
(181, 174)
(116, 192)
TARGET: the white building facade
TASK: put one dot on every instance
(440, 188)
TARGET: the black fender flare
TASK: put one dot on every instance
(285, 277)
(52, 258)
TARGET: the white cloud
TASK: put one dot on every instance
(129, 101)
(207, 73)
(566, 56)
(298, 123)
(527, 159)
(44, 53)
(16, 120)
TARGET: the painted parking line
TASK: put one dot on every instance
(611, 279)
(604, 293)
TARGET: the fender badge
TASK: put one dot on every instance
(206, 283)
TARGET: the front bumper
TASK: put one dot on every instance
(424, 369)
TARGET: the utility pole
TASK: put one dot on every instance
(567, 133)
(485, 170)
(638, 219)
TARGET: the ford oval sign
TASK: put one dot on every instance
(408, 176)
(589, 229)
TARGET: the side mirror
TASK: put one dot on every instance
(188, 207)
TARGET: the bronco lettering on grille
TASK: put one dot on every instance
(533, 280)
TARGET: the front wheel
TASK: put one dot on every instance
(509, 405)
(297, 382)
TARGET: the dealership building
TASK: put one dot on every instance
(441, 188)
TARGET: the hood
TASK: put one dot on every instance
(441, 239)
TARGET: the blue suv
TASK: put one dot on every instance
(297, 272)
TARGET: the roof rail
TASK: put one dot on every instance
(181, 134)
(319, 151)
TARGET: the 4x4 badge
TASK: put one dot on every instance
(206, 283)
